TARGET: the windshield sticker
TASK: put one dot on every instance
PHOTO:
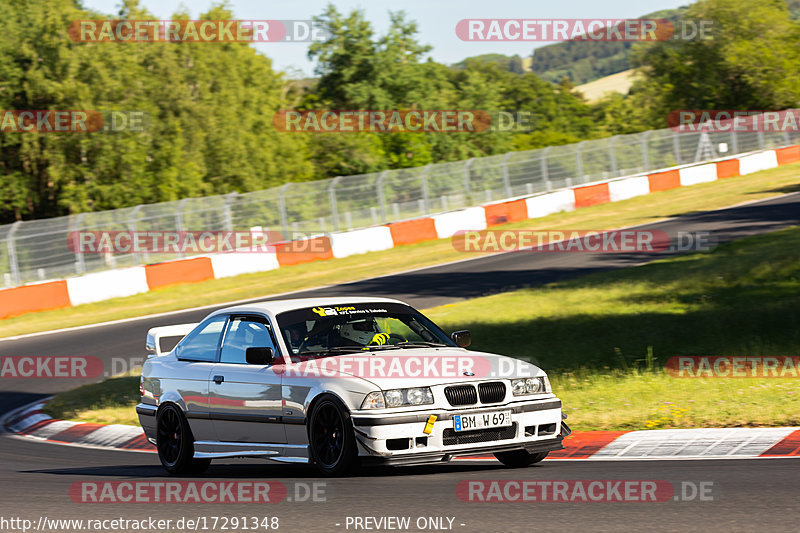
(345, 310)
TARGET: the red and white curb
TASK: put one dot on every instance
(660, 444)
(30, 421)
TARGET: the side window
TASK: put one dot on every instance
(244, 333)
(201, 344)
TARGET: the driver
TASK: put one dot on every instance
(297, 334)
(362, 332)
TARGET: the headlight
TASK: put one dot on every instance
(521, 387)
(419, 396)
(394, 398)
(398, 398)
(533, 385)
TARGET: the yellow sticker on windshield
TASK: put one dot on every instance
(380, 339)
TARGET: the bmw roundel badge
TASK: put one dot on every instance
(468, 373)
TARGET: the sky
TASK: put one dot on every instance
(436, 20)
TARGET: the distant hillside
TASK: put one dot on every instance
(584, 61)
(513, 63)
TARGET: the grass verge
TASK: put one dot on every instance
(639, 210)
(604, 340)
(112, 401)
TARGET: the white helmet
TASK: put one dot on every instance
(361, 331)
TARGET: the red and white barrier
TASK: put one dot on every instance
(550, 203)
(625, 188)
(361, 241)
(757, 162)
(698, 174)
(233, 264)
(124, 282)
(107, 284)
(470, 219)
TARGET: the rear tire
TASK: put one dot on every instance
(175, 443)
(331, 440)
(520, 458)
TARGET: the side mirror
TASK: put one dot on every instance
(150, 345)
(259, 356)
(462, 338)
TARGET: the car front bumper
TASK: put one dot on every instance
(400, 438)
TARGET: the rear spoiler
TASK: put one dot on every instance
(154, 336)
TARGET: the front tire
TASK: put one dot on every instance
(520, 458)
(175, 443)
(332, 442)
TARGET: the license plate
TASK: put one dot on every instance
(495, 419)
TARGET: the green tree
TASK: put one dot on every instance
(750, 61)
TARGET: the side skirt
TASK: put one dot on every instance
(288, 453)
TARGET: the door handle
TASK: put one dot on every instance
(219, 379)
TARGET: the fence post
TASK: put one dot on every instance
(645, 153)
(381, 194)
(426, 201)
(80, 265)
(676, 146)
(543, 159)
(179, 214)
(760, 139)
(179, 217)
(13, 263)
(227, 220)
(612, 154)
(467, 187)
(140, 258)
(332, 197)
(734, 141)
(282, 209)
(579, 161)
(506, 178)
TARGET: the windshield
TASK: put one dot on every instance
(349, 328)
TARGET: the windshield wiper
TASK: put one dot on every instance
(371, 347)
(417, 344)
(331, 350)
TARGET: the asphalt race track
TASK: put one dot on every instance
(35, 477)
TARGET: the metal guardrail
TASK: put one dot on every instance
(37, 250)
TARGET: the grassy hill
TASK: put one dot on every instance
(615, 83)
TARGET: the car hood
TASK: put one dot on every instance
(422, 367)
